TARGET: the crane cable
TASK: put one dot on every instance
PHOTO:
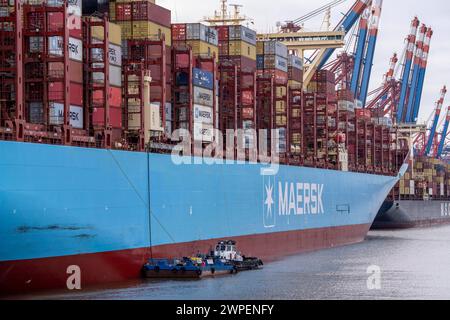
(317, 11)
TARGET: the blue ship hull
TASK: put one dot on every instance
(107, 211)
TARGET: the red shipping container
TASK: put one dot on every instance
(363, 113)
(178, 32)
(147, 11)
(224, 48)
(280, 77)
(206, 66)
(247, 113)
(223, 32)
(76, 71)
(55, 91)
(115, 96)
(182, 60)
(56, 24)
(247, 97)
(123, 11)
(76, 94)
(115, 116)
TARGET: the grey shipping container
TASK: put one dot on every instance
(198, 31)
(204, 97)
(36, 112)
(275, 62)
(295, 62)
(276, 48)
(242, 33)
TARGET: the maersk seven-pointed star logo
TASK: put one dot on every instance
(269, 199)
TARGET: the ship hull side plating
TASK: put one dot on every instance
(63, 206)
(407, 214)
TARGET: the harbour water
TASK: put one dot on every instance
(405, 264)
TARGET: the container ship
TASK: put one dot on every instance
(421, 198)
(107, 117)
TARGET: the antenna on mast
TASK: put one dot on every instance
(225, 18)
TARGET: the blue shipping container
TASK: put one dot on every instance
(182, 79)
(203, 79)
(260, 62)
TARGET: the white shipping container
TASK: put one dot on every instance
(203, 114)
(56, 111)
(75, 7)
(115, 54)
(203, 132)
(167, 110)
(115, 75)
(75, 48)
(203, 97)
(168, 129)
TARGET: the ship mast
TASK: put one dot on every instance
(225, 18)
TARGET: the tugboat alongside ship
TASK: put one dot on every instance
(225, 259)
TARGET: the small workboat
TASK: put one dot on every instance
(187, 268)
(227, 251)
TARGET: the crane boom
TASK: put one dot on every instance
(443, 134)
(373, 35)
(437, 115)
(415, 77)
(346, 24)
(423, 69)
(362, 36)
(407, 68)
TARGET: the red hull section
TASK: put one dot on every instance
(26, 276)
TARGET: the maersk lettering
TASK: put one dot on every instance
(300, 198)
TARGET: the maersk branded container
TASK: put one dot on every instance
(204, 97)
(198, 31)
(203, 79)
(275, 62)
(275, 48)
(243, 34)
(203, 114)
(295, 62)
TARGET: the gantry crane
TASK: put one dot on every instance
(444, 133)
(437, 114)
(325, 42)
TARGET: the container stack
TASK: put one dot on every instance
(141, 20)
(194, 99)
(203, 113)
(295, 71)
(44, 49)
(202, 39)
(146, 29)
(237, 44)
(324, 82)
(115, 75)
(272, 60)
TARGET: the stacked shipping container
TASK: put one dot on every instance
(428, 179)
(114, 95)
(47, 43)
(202, 39)
(141, 19)
(259, 86)
(146, 34)
(237, 44)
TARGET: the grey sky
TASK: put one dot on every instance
(395, 22)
